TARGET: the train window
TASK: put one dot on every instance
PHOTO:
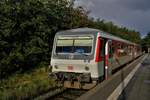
(110, 50)
(123, 49)
(64, 46)
(102, 48)
(74, 45)
(82, 45)
(113, 47)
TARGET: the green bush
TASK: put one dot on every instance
(25, 86)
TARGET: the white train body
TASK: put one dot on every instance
(87, 55)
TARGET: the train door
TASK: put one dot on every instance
(100, 58)
(108, 58)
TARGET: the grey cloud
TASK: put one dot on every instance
(136, 4)
(133, 14)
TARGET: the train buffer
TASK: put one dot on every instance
(130, 83)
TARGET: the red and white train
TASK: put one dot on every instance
(84, 56)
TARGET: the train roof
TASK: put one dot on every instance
(80, 30)
(94, 31)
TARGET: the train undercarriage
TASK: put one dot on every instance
(73, 80)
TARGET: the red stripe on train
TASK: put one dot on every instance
(97, 50)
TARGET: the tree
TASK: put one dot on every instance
(146, 42)
(26, 32)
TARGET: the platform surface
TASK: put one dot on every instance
(111, 89)
(139, 86)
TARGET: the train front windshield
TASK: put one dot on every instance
(80, 45)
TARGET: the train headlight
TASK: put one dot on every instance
(86, 68)
(56, 67)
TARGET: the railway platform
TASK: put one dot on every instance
(139, 86)
(130, 83)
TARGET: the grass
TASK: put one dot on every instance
(25, 86)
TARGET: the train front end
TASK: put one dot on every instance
(72, 59)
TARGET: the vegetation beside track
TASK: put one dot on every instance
(25, 86)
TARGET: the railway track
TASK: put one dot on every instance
(50, 93)
(61, 94)
(68, 94)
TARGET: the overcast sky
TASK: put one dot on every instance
(133, 14)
